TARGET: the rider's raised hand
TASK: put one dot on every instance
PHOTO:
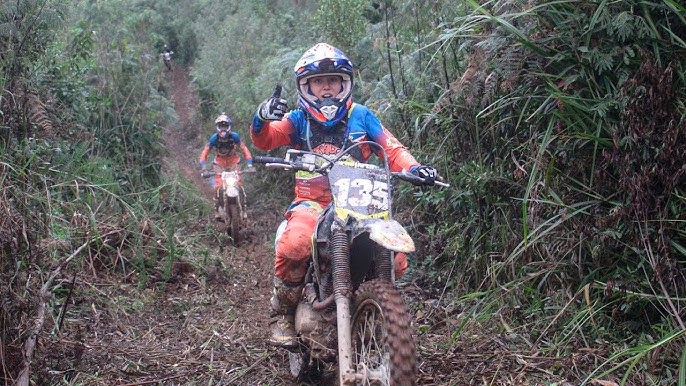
(429, 174)
(274, 108)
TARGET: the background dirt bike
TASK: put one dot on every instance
(230, 200)
(350, 309)
(166, 57)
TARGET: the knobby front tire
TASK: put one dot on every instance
(382, 336)
(233, 226)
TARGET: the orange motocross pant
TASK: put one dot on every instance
(294, 243)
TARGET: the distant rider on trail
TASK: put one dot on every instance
(225, 143)
(325, 122)
(166, 56)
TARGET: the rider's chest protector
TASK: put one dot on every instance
(329, 140)
(226, 147)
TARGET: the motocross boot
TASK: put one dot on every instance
(284, 300)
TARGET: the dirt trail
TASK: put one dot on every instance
(241, 283)
(207, 324)
(204, 325)
(480, 355)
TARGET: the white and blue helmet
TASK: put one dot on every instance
(324, 59)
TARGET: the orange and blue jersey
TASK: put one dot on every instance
(361, 125)
(226, 155)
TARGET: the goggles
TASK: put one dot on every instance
(223, 129)
(324, 66)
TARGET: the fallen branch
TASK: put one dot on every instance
(30, 344)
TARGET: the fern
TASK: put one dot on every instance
(39, 115)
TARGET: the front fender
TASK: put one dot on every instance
(387, 233)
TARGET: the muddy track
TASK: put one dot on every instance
(249, 264)
(207, 322)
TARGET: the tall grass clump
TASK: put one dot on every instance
(565, 140)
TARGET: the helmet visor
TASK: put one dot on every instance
(323, 66)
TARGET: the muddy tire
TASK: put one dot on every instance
(381, 335)
(233, 226)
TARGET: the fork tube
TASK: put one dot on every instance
(342, 293)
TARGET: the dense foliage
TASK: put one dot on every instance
(570, 148)
(560, 125)
(80, 156)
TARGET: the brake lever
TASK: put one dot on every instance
(274, 165)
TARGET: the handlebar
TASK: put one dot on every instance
(416, 180)
(212, 173)
(284, 163)
(268, 160)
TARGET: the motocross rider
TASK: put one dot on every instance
(167, 55)
(325, 122)
(225, 143)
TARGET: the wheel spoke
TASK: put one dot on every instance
(383, 350)
(372, 356)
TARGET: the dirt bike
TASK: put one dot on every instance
(350, 309)
(166, 57)
(230, 200)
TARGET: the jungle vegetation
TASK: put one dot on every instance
(560, 125)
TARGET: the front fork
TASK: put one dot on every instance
(342, 289)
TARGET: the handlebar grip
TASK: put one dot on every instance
(411, 178)
(418, 181)
(268, 160)
(277, 91)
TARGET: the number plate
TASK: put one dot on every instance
(360, 188)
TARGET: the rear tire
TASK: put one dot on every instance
(381, 335)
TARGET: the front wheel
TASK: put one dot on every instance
(233, 226)
(382, 343)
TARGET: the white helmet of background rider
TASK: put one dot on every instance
(324, 59)
(223, 126)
